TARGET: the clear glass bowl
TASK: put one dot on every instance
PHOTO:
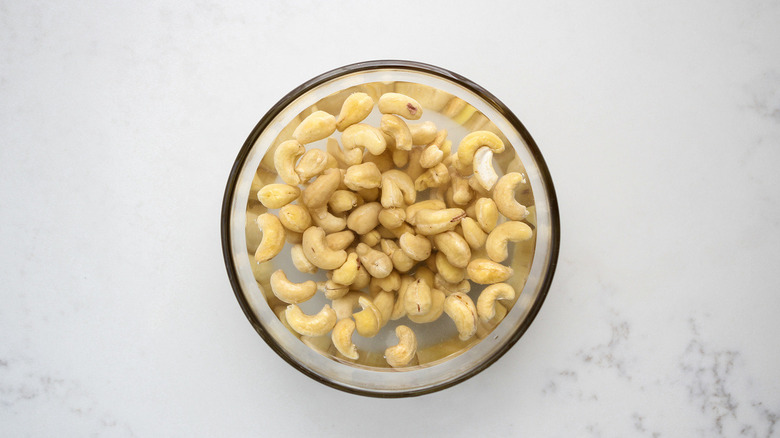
(460, 106)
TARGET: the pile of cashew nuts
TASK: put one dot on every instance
(358, 218)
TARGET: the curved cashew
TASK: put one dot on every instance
(463, 286)
(483, 168)
(364, 218)
(450, 273)
(316, 126)
(405, 351)
(343, 306)
(393, 182)
(354, 109)
(273, 237)
(431, 156)
(470, 143)
(416, 247)
(285, 156)
(327, 221)
(415, 169)
(461, 309)
(437, 308)
(486, 211)
(289, 292)
(342, 338)
(428, 204)
(400, 104)
(390, 283)
(400, 158)
(344, 158)
(331, 289)
(277, 195)
(362, 279)
(422, 133)
(310, 325)
(425, 274)
(377, 263)
(485, 271)
(498, 238)
(383, 161)
(390, 233)
(295, 218)
(395, 127)
(342, 201)
(300, 261)
(436, 176)
(318, 193)
(461, 191)
(369, 320)
(364, 136)
(430, 222)
(504, 196)
(454, 246)
(417, 298)
(392, 217)
(317, 251)
(347, 272)
(486, 303)
(363, 176)
(384, 301)
(312, 163)
(473, 233)
(372, 238)
(340, 240)
(399, 308)
(401, 261)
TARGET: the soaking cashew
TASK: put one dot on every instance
(461, 191)
(364, 218)
(347, 272)
(449, 272)
(369, 320)
(483, 168)
(401, 261)
(342, 201)
(289, 292)
(295, 218)
(508, 231)
(454, 246)
(470, 143)
(342, 338)
(425, 274)
(405, 351)
(344, 158)
(485, 271)
(326, 220)
(285, 156)
(400, 189)
(317, 251)
(415, 169)
(310, 325)
(316, 126)
(429, 222)
(364, 137)
(428, 204)
(293, 237)
(417, 298)
(463, 313)
(437, 308)
(390, 283)
(383, 161)
(371, 238)
(331, 289)
(395, 127)
(486, 211)
(473, 233)
(344, 306)
(273, 237)
(363, 176)
(377, 263)
(463, 286)
(384, 301)
(399, 309)
(368, 195)
(275, 196)
(362, 279)
(355, 108)
(436, 176)
(504, 196)
(340, 240)
(431, 156)
(422, 133)
(400, 104)
(486, 303)
(318, 193)
(416, 247)
(300, 261)
(312, 163)
(392, 217)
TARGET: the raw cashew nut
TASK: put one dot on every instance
(436, 176)
(461, 309)
(289, 292)
(372, 238)
(498, 238)
(316, 126)
(310, 325)
(430, 222)
(312, 163)
(355, 108)
(277, 195)
(399, 187)
(463, 286)
(449, 272)
(300, 261)
(317, 251)
(383, 161)
(483, 168)
(285, 156)
(346, 273)
(473, 233)
(342, 201)
(331, 289)
(340, 240)
(487, 214)
(416, 247)
(428, 204)
(422, 133)
(363, 176)
(454, 246)
(318, 193)
(273, 237)
(399, 308)
(470, 143)
(401, 261)
(377, 263)
(327, 221)
(364, 136)
(295, 218)
(384, 301)
(369, 320)
(395, 127)
(342, 338)
(343, 306)
(431, 156)
(405, 351)
(486, 303)
(504, 195)
(485, 271)
(364, 218)
(400, 104)
(417, 298)
(362, 279)
(390, 283)
(344, 158)
(461, 191)
(437, 308)
(392, 217)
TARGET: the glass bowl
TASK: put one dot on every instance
(454, 103)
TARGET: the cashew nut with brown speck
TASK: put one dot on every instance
(417, 298)
(460, 308)
(429, 222)
(377, 263)
(437, 308)
(400, 104)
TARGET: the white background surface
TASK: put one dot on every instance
(119, 123)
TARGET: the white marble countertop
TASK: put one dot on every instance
(660, 123)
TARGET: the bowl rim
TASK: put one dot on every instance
(382, 65)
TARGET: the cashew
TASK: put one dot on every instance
(346, 273)
(369, 320)
(273, 237)
(478, 189)
(450, 273)
(362, 279)
(437, 308)
(463, 286)
(454, 246)
(461, 191)
(316, 126)
(416, 247)
(365, 137)
(363, 176)
(384, 301)
(392, 217)
(470, 143)
(415, 169)
(504, 196)
(277, 195)
(425, 274)
(364, 218)
(399, 309)
(327, 221)
(400, 104)
(486, 303)
(300, 261)
(486, 211)
(377, 263)
(422, 133)
(285, 156)
(371, 238)
(463, 313)
(473, 233)
(404, 352)
(430, 222)
(295, 218)
(344, 306)
(400, 157)
(293, 237)
(397, 129)
(431, 156)
(310, 325)
(401, 261)
(397, 189)
(417, 298)
(318, 193)
(485, 271)
(483, 168)
(436, 176)
(289, 292)
(428, 204)
(498, 238)
(317, 251)
(344, 158)
(383, 161)
(312, 163)
(396, 232)
(342, 338)
(331, 289)
(340, 240)
(355, 108)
